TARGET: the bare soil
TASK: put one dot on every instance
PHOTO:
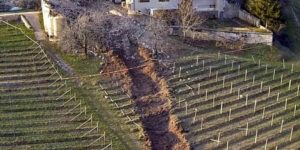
(152, 100)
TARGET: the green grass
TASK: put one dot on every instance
(114, 126)
(81, 64)
(109, 119)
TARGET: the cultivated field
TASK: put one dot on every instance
(230, 103)
(122, 102)
(37, 108)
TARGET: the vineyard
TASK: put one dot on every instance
(224, 102)
(122, 102)
(38, 110)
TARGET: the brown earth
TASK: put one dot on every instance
(152, 99)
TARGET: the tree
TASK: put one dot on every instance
(29, 4)
(87, 32)
(267, 10)
(189, 18)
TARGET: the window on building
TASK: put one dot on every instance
(163, 0)
(143, 1)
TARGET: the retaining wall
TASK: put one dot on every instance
(215, 35)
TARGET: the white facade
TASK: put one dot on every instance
(146, 6)
(53, 23)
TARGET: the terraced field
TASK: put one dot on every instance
(122, 102)
(230, 103)
(37, 108)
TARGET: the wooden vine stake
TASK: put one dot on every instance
(199, 86)
(246, 72)
(290, 84)
(298, 90)
(253, 80)
(224, 78)
(195, 116)
(261, 86)
(246, 103)
(263, 113)
(232, 63)
(281, 126)
(254, 108)
(174, 67)
(219, 135)
(269, 93)
(227, 145)
(283, 63)
(247, 128)
(256, 134)
(197, 63)
(278, 94)
(206, 94)
(91, 119)
(281, 79)
(291, 135)
(266, 69)
(186, 108)
(179, 74)
(97, 126)
(221, 109)
(225, 61)
(203, 64)
(292, 69)
(239, 90)
(266, 144)
(259, 63)
(231, 87)
(229, 114)
(209, 71)
(239, 69)
(274, 73)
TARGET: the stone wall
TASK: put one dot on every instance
(10, 18)
(235, 11)
(215, 35)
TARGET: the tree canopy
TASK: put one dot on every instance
(266, 10)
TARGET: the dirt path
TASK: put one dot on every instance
(154, 105)
(34, 22)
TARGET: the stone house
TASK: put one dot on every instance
(149, 6)
(53, 21)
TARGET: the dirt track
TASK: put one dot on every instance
(153, 103)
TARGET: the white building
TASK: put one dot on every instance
(53, 22)
(148, 6)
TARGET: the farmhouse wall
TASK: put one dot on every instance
(214, 35)
(53, 23)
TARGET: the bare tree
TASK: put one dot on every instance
(87, 32)
(189, 18)
(29, 4)
(95, 28)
